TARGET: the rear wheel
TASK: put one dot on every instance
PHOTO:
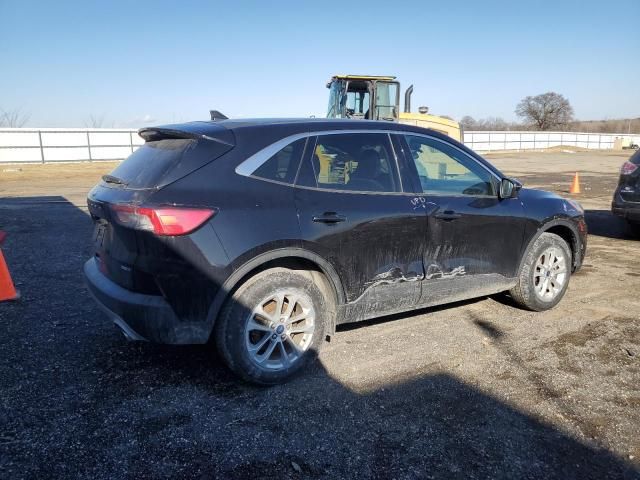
(273, 325)
(544, 275)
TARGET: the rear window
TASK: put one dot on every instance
(635, 158)
(160, 162)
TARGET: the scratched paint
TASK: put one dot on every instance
(436, 271)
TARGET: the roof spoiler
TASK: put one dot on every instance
(195, 130)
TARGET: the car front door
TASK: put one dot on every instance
(474, 238)
(353, 212)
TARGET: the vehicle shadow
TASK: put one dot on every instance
(81, 402)
(604, 224)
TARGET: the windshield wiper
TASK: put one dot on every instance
(112, 179)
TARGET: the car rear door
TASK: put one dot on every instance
(353, 212)
(473, 238)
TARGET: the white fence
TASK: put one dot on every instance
(27, 145)
(491, 141)
(18, 145)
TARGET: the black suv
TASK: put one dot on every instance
(263, 235)
(626, 199)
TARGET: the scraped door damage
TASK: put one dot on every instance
(395, 251)
(472, 253)
(357, 218)
(377, 249)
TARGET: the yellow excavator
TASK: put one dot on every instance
(371, 97)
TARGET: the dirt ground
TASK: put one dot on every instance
(480, 389)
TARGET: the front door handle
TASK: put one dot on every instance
(329, 217)
(448, 215)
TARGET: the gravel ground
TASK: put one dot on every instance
(480, 389)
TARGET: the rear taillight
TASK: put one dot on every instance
(161, 220)
(628, 168)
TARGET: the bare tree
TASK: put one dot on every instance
(545, 111)
(94, 121)
(468, 122)
(13, 118)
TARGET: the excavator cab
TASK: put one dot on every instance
(378, 98)
(364, 97)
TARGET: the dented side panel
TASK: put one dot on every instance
(377, 251)
(486, 237)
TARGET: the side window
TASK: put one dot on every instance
(282, 166)
(444, 170)
(361, 162)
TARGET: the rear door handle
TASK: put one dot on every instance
(448, 215)
(329, 217)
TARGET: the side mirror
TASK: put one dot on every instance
(509, 188)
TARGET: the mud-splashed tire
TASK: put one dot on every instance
(251, 314)
(527, 292)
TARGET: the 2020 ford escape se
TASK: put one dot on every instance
(263, 235)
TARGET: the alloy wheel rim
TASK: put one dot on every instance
(280, 329)
(550, 274)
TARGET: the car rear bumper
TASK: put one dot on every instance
(140, 317)
(627, 210)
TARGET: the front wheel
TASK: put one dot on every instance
(273, 325)
(544, 274)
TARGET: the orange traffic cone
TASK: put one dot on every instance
(575, 186)
(7, 290)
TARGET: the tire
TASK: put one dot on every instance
(249, 325)
(531, 292)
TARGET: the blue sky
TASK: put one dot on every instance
(139, 62)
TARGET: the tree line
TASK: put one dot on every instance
(17, 118)
(550, 111)
(547, 111)
(13, 118)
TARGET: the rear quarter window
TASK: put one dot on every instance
(283, 165)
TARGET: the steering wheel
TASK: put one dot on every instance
(476, 189)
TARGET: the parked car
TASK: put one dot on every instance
(626, 198)
(263, 235)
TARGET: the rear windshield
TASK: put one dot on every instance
(160, 162)
(635, 158)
